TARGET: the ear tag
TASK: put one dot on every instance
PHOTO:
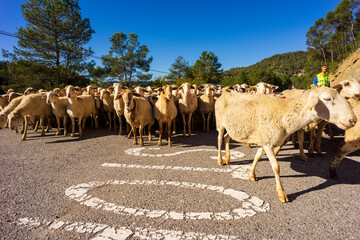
(308, 107)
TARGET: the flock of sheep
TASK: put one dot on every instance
(247, 114)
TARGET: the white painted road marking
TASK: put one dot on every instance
(138, 152)
(237, 171)
(106, 232)
(247, 206)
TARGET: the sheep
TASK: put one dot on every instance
(58, 105)
(4, 101)
(119, 105)
(188, 104)
(7, 110)
(30, 90)
(10, 90)
(108, 104)
(265, 88)
(138, 113)
(206, 105)
(140, 90)
(14, 95)
(350, 144)
(30, 107)
(79, 107)
(267, 121)
(165, 112)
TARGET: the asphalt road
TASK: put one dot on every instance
(101, 186)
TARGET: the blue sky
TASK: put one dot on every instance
(240, 33)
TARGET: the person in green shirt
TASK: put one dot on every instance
(322, 79)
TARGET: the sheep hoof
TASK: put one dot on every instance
(174, 132)
(72, 135)
(220, 162)
(253, 178)
(319, 154)
(304, 158)
(333, 174)
(141, 144)
(57, 133)
(227, 160)
(134, 142)
(248, 146)
(23, 138)
(159, 144)
(282, 197)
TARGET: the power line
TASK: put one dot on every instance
(93, 56)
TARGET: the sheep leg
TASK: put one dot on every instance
(65, 125)
(300, 134)
(72, 127)
(169, 133)
(36, 125)
(131, 131)
(149, 130)
(276, 169)
(258, 155)
(109, 116)
(184, 124)
(311, 144)
(141, 130)
(42, 126)
(58, 125)
(174, 126)
(227, 148)
(189, 124)
(81, 120)
(331, 132)
(120, 124)
(161, 132)
(203, 117)
(23, 138)
(220, 137)
(127, 128)
(293, 139)
(135, 137)
(208, 122)
(84, 123)
(23, 127)
(114, 120)
(321, 127)
(345, 148)
(49, 127)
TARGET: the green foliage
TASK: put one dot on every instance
(51, 48)
(127, 59)
(179, 69)
(206, 69)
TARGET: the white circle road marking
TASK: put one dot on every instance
(138, 152)
(249, 205)
(237, 171)
(106, 232)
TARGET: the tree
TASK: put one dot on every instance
(127, 58)
(317, 39)
(54, 38)
(179, 69)
(207, 68)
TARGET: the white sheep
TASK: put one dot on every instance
(350, 144)
(80, 107)
(4, 101)
(188, 104)
(7, 110)
(119, 105)
(30, 107)
(58, 105)
(138, 113)
(267, 121)
(165, 112)
(206, 105)
(108, 104)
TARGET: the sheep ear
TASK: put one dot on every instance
(118, 96)
(314, 99)
(338, 87)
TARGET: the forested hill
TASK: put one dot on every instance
(284, 70)
(292, 63)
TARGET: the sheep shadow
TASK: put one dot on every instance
(348, 171)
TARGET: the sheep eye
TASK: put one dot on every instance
(327, 99)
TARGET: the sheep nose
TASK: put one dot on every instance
(357, 96)
(353, 121)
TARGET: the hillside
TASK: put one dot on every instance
(350, 67)
(292, 63)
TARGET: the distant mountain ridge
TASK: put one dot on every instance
(290, 63)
